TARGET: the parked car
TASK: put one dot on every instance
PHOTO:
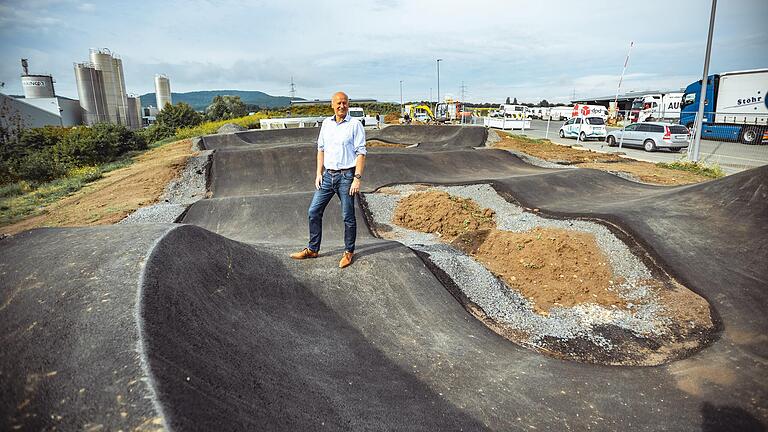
(584, 128)
(651, 136)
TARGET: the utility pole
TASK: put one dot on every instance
(461, 113)
(438, 83)
(293, 90)
(694, 151)
(401, 98)
(621, 78)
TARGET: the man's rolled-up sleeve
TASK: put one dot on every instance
(359, 139)
(320, 139)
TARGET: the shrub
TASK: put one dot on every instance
(86, 173)
(98, 144)
(178, 116)
(156, 132)
(39, 166)
(11, 190)
(225, 107)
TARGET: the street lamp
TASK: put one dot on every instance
(438, 82)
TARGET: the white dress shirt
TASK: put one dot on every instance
(341, 142)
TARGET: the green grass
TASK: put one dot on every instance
(711, 171)
(163, 142)
(20, 200)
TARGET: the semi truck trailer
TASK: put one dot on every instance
(735, 106)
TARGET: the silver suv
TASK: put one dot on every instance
(651, 136)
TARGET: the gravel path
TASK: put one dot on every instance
(506, 306)
(180, 193)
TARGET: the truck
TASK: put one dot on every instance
(559, 113)
(359, 113)
(418, 113)
(656, 107)
(448, 111)
(511, 111)
(735, 106)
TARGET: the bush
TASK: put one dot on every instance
(86, 173)
(39, 166)
(99, 144)
(224, 108)
(156, 132)
(178, 116)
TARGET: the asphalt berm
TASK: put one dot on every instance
(208, 325)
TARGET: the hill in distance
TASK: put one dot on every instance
(199, 100)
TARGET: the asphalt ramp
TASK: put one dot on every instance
(213, 327)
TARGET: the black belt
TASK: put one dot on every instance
(339, 170)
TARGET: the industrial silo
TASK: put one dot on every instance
(90, 89)
(162, 91)
(102, 60)
(122, 95)
(37, 86)
(134, 112)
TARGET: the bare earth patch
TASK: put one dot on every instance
(557, 271)
(645, 171)
(445, 215)
(119, 193)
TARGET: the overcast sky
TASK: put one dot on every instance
(530, 50)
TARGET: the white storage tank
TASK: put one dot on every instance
(102, 61)
(37, 86)
(90, 89)
(162, 91)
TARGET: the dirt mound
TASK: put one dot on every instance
(551, 267)
(570, 299)
(443, 214)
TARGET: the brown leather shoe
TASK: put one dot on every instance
(346, 260)
(305, 253)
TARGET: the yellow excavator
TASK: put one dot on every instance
(418, 113)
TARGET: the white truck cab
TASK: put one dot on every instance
(359, 113)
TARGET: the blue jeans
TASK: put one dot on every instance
(333, 184)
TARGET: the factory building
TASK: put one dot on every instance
(39, 107)
(162, 91)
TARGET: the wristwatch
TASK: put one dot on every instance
(358, 176)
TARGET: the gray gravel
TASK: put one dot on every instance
(180, 193)
(507, 306)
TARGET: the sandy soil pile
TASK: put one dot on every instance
(551, 267)
(440, 213)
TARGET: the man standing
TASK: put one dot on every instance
(340, 163)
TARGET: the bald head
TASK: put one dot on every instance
(340, 105)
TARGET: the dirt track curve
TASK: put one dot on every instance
(208, 325)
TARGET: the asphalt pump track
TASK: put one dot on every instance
(208, 325)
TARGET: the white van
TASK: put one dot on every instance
(559, 113)
(359, 113)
